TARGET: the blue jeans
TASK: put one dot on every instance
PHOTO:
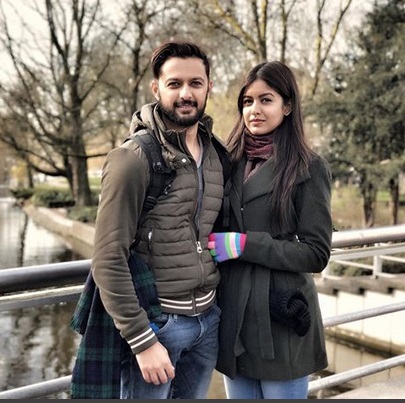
(242, 387)
(192, 343)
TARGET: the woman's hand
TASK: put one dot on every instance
(226, 245)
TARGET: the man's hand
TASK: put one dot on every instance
(155, 364)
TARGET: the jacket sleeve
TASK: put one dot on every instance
(124, 182)
(309, 251)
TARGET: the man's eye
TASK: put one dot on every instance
(173, 85)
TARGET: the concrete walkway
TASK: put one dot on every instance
(393, 388)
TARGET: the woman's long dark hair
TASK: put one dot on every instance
(291, 153)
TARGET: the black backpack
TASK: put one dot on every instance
(162, 176)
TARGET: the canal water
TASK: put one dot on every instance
(37, 344)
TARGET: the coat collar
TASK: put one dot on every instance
(256, 186)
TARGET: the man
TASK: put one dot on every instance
(174, 356)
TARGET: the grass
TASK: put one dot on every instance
(347, 209)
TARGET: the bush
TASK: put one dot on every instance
(22, 193)
(52, 197)
(83, 214)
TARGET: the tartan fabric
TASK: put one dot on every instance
(97, 370)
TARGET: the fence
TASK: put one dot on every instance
(54, 283)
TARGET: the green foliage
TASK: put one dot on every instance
(83, 214)
(49, 196)
(346, 207)
(22, 193)
(95, 183)
(52, 197)
(363, 107)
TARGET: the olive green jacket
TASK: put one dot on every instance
(170, 238)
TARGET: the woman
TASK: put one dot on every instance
(280, 230)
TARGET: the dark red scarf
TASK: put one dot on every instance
(258, 149)
(258, 146)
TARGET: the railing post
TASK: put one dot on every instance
(377, 264)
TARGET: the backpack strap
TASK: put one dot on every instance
(162, 175)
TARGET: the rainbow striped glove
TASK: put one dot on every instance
(226, 245)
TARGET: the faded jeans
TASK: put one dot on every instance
(192, 343)
(242, 387)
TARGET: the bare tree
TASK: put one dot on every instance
(245, 22)
(262, 28)
(285, 11)
(324, 44)
(140, 26)
(54, 79)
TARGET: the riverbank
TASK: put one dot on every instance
(78, 236)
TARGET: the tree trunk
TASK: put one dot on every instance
(30, 176)
(369, 193)
(78, 161)
(81, 187)
(394, 192)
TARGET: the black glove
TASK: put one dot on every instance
(290, 308)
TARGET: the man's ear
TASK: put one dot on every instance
(210, 87)
(155, 89)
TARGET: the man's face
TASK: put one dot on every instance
(182, 91)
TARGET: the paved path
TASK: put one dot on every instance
(393, 388)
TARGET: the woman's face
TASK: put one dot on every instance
(263, 108)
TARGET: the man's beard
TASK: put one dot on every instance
(182, 121)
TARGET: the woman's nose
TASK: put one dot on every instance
(255, 108)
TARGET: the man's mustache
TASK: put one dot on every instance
(185, 103)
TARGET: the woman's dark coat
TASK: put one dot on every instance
(251, 343)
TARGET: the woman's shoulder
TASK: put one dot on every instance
(318, 161)
(319, 164)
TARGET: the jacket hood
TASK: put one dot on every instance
(173, 142)
(149, 116)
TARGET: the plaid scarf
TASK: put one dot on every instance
(97, 370)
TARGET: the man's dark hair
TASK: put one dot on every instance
(177, 49)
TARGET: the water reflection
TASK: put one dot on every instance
(35, 344)
(24, 243)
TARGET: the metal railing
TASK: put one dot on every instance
(58, 282)
(376, 243)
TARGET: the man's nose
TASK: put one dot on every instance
(185, 92)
